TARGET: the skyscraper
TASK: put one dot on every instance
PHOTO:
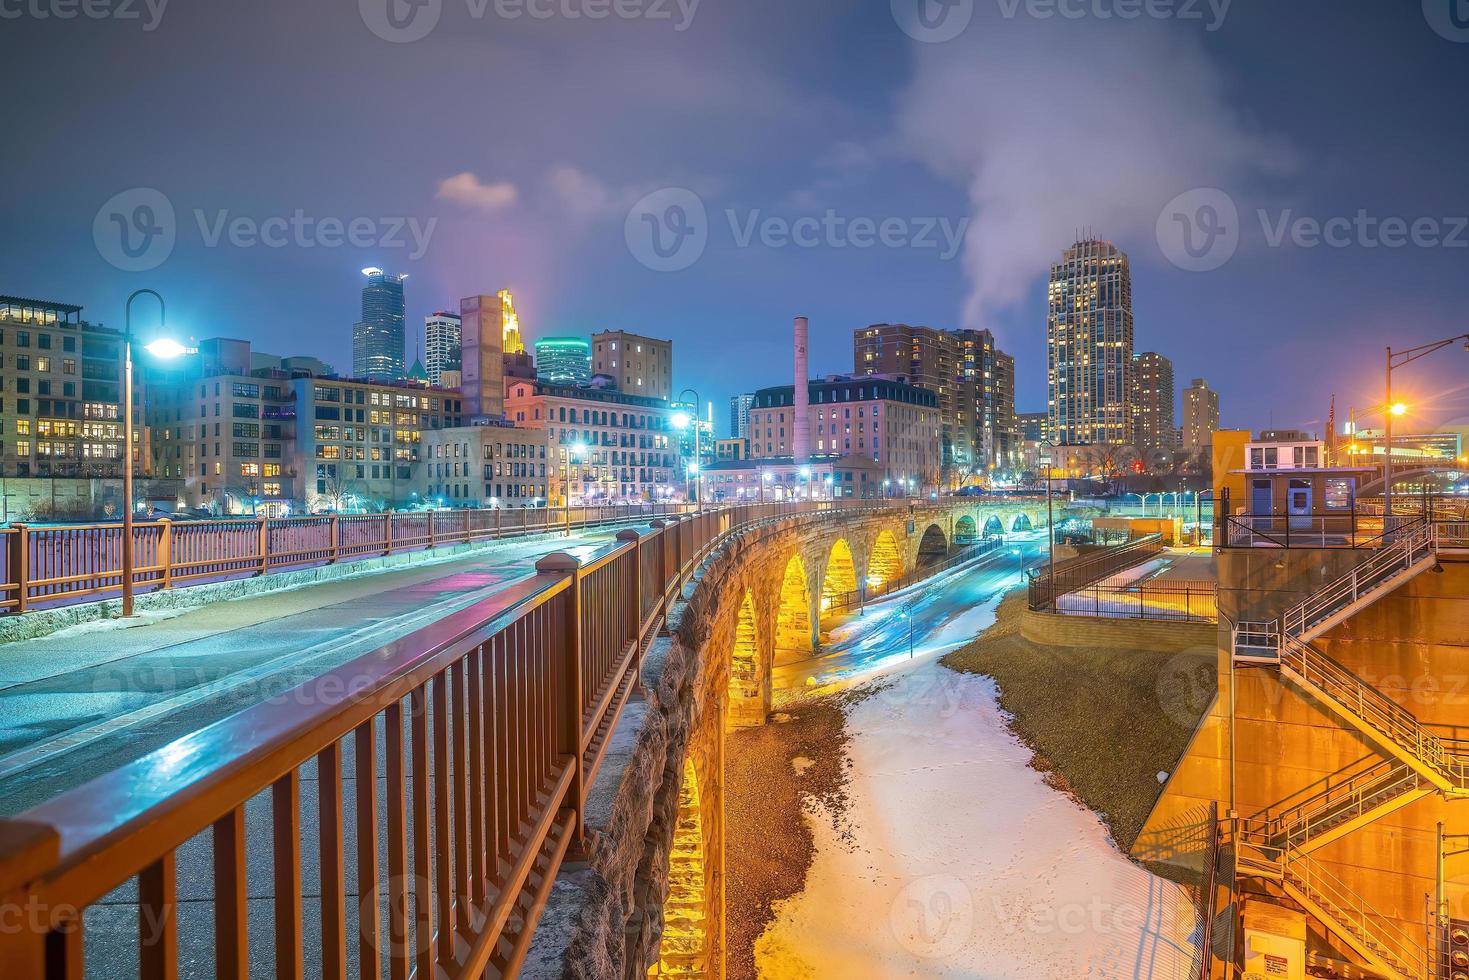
(378, 338)
(972, 378)
(1089, 346)
(1153, 420)
(1200, 416)
(739, 415)
(564, 360)
(440, 344)
(513, 342)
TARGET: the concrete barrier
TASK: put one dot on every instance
(1061, 630)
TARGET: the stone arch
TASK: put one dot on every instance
(747, 699)
(1021, 522)
(933, 546)
(841, 575)
(683, 949)
(965, 530)
(885, 564)
(993, 525)
(793, 614)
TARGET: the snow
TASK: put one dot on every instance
(955, 859)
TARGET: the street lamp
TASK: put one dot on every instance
(576, 450)
(167, 350)
(1051, 524)
(1394, 361)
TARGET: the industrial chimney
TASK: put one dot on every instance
(802, 422)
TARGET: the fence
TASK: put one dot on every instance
(1171, 599)
(483, 730)
(1076, 573)
(62, 564)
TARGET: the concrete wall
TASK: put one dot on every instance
(1057, 629)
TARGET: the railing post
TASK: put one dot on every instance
(20, 564)
(636, 600)
(28, 851)
(430, 529)
(387, 534)
(560, 563)
(334, 535)
(262, 543)
(165, 551)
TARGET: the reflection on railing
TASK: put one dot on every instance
(1047, 583)
(450, 770)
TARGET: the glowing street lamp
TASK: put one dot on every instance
(166, 350)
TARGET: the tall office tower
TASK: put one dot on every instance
(1004, 432)
(482, 356)
(639, 365)
(1089, 345)
(440, 344)
(1200, 416)
(564, 360)
(962, 368)
(1153, 421)
(378, 341)
(739, 415)
(512, 343)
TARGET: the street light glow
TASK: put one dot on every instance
(168, 348)
(680, 420)
(1399, 408)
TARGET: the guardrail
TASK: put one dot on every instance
(1174, 600)
(62, 564)
(1076, 573)
(484, 730)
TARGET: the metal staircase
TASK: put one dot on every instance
(1276, 843)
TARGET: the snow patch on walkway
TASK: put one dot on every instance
(953, 858)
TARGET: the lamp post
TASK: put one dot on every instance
(575, 451)
(1396, 360)
(1051, 524)
(159, 348)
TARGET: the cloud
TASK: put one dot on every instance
(466, 189)
(1053, 126)
(587, 196)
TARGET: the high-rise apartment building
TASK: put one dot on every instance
(1200, 416)
(1089, 346)
(60, 410)
(1153, 421)
(440, 345)
(973, 381)
(639, 365)
(739, 415)
(564, 360)
(1032, 426)
(378, 340)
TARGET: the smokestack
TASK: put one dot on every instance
(802, 427)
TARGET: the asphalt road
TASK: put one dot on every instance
(91, 698)
(882, 634)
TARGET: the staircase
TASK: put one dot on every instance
(1276, 843)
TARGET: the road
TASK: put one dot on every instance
(863, 645)
(91, 698)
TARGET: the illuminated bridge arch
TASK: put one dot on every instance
(885, 565)
(993, 525)
(747, 700)
(1021, 522)
(964, 530)
(793, 614)
(683, 950)
(841, 575)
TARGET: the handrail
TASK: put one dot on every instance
(505, 703)
(1352, 911)
(1209, 906)
(1274, 828)
(1402, 554)
(1083, 570)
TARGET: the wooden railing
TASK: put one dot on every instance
(451, 768)
(44, 566)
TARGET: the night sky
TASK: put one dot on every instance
(529, 144)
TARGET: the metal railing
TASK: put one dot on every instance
(1299, 824)
(1375, 931)
(484, 731)
(1377, 574)
(855, 598)
(51, 565)
(1077, 573)
(1209, 899)
(1175, 600)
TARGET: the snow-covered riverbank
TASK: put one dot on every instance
(954, 858)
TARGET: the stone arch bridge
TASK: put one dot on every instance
(760, 600)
